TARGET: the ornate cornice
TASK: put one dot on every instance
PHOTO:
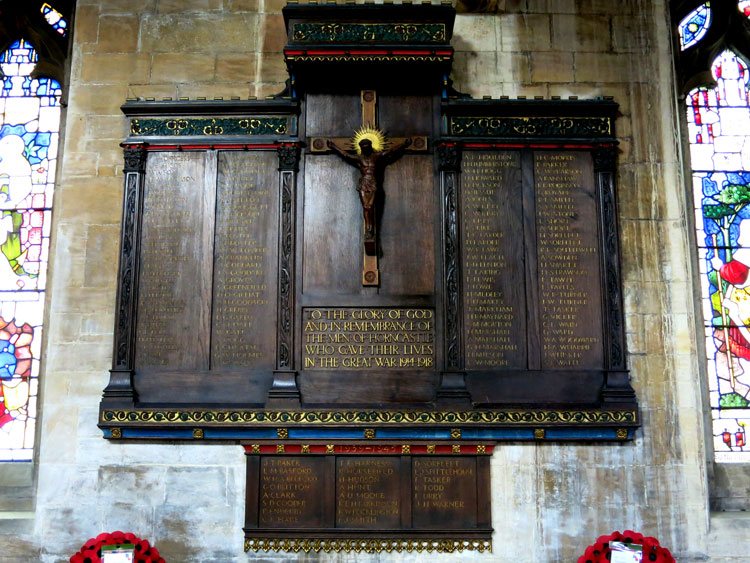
(355, 418)
(347, 57)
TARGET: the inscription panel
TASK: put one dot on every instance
(376, 491)
(244, 260)
(175, 262)
(444, 490)
(367, 492)
(368, 338)
(568, 258)
(493, 256)
(290, 489)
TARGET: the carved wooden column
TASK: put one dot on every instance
(120, 389)
(284, 392)
(617, 388)
(453, 378)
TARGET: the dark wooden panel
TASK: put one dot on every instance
(568, 245)
(245, 259)
(332, 253)
(484, 491)
(290, 492)
(252, 491)
(406, 227)
(444, 490)
(405, 116)
(534, 387)
(365, 388)
(367, 492)
(176, 260)
(404, 478)
(493, 260)
(533, 323)
(333, 115)
(224, 387)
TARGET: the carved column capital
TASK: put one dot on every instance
(288, 157)
(135, 158)
(449, 157)
(605, 158)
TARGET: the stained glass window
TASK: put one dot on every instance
(55, 19)
(29, 124)
(744, 6)
(694, 26)
(719, 131)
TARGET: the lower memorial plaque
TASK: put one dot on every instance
(312, 496)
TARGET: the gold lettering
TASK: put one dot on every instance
(368, 338)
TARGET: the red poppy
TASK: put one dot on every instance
(629, 536)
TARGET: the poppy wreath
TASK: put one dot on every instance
(600, 552)
(91, 551)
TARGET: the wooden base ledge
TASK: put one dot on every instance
(367, 545)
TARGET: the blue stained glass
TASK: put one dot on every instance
(29, 131)
(694, 26)
(55, 19)
(8, 360)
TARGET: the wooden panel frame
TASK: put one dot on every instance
(531, 404)
(436, 535)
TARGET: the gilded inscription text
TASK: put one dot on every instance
(288, 491)
(568, 261)
(368, 338)
(444, 490)
(493, 261)
(367, 492)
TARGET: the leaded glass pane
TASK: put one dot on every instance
(694, 26)
(29, 125)
(55, 19)
(21, 316)
(719, 132)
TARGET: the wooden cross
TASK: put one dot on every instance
(342, 145)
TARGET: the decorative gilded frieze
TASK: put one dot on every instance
(413, 33)
(209, 126)
(530, 127)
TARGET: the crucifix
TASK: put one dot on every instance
(372, 152)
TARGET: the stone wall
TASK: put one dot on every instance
(549, 501)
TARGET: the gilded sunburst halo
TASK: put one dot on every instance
(373, 134)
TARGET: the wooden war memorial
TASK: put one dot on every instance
(369, 280)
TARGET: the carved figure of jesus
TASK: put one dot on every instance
(369, 162)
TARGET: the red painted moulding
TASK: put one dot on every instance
(363, 449)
